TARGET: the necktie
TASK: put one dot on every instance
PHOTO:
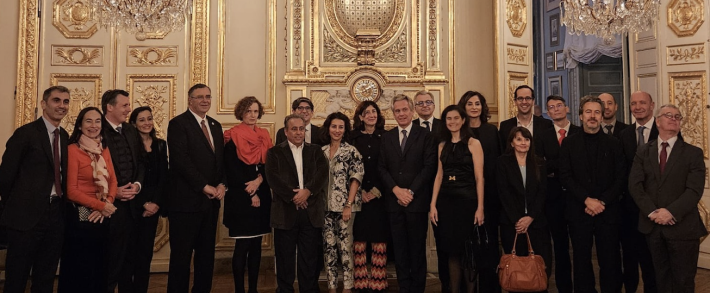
(426, 125)
(608, 129)
(119, 129)
(207, 133)
(640, 135)
(57, 162)
(404, 139)
(664, 156)
(562, 135)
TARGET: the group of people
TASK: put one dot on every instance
(337, 196)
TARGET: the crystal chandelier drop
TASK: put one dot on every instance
(140, 17)
(606, 18)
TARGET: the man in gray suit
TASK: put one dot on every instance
(666, 182)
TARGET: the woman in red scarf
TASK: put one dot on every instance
(247, 204)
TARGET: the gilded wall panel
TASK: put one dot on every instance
(516, 16)
(517, 54)
(152, 56)
(685, 16)
(27, 62)
(157, 91)
(199, 41)
(515, 79)
(63, 55)
(686, 54)
(688, 91)
(75, 19)
(85, 91)
(162, 237)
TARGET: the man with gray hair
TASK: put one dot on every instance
(666, 182)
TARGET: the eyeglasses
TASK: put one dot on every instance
(202, 98)
(672, 117)
(304, 108)
(553, 107)
(527, 99)
(427, 102)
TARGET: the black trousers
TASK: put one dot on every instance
(192, 232)
(307, 239)
(555, 213)
(36, 250)
(606, 237)
(539, 238)
(135, 275)
(635, 252)
(409, 239)
(675, 262)
(120, 232)
(247, 253)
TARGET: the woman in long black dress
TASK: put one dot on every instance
(521, 184)
(247, 204)
(459, 173)
(478, 114)
(147, 202)
(372, 225)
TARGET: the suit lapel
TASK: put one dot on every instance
(286, 150)
(653, 157)
(416, 130)
(678, 149)
(198, 128)
(44, 134)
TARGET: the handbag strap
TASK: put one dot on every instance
(478, 233)
(530, 248)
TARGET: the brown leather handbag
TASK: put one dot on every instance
(522, 273)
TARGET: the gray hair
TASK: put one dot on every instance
(402, 97)
(292, 116)
(659, 111)
(589, 99)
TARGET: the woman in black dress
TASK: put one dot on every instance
(478, 114)
(458, 190)
(147, 202)
(247, 204)
(521, 184)
(372, 225)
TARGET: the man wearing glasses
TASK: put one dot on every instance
(666, 182)
(524, 101)
(424, 106)
(303, 107)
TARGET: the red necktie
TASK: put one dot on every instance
(562, 135)
(664, 156)
(57, 162)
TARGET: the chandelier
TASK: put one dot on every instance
(140, 17)
(607, 18)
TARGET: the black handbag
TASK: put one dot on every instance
(474, 248)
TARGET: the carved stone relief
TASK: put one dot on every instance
(517, 54)
(333, 52)
(74, 19)
(156, 91)
(515, 79)
(77, 56)
(152, 56)
(685, 54)
(685, 16)
(689, 92)
(516, 15)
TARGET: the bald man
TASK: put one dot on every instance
(609, 123)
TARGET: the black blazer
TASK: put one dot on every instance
(436, 128)
(315, 136)
(27, 175)
(576, 176)
(193, 164)
(551, 153)
(678, 189)
(618, 128)
(539, 125)
(514, 196)
(628, 141)
(135, 143)
(283, 178)
(414, 169)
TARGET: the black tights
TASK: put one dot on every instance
(459, 275)
(247, 251)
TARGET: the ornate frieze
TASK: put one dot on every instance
(685, 54)
(333, 52)
(397, 53)
(75, 19)
(685, 16)
(152, 56)
(517, 54)
(688, 91)
(77, 56)
(433, 33)
(516, 16)
(297, 31)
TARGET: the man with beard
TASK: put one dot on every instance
(524, 101)
(610, 125)
(592, 170)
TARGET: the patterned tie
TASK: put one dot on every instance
(608, 129)
(426, 125)
(640, 135)
(57, 162)
(404, 139)
(207, 133)
(562, 135)
(119, 129)
(664, 156)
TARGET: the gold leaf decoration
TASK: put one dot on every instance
(334, 52)
(87, 57)
(686, 54)
(153, 97)
(689, 92)
(80, 98)
(516, 16)
(161, 56)
(395, 53)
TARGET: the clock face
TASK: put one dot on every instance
(366, 89)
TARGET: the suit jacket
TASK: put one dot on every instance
(577, 175)
(135, 143)
(193, 164)
(436, 128)
(550, 151)
(618, 128)
(27, 175)
(283, 178)
(539, 125)
(628, 141)
(315, 136)
(413, 169)
(678, 189)
(516, 198)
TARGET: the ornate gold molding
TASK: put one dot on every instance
(27, 67)
(516, 15)
(77, 56)
(515, 79)
(297, 31)
(685, 16)
(433, 34)
(342, 35)
(74, 19)
(145, 90)
(333, 52)
(199, 42)
(152, 56)
(162, 234)
(688, 91)
(81, 96)
(517, 54)
(685, 54)
(397, 53)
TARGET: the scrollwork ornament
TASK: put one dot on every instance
(516, 16)
(162, 56)
(87, 57)
(397, 53)
(333, 52)
(685, 16)
(689, 92)
(687, 54)
(80, 99)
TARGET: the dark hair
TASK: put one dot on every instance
(292, 116)
(485, 112)
(589, 99)
(134, 118)
(556, 98)
(359, 125)
(524, 86)
(196, 87)
(464, 132)
(109, 98)
(325, 132)
(74, 138)
(531, 151)
(244, 104)
(48, 92)
(300, 100)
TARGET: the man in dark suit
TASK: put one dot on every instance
(609, 124)
(407, 166)
(197, 186)
(666, 182)
(592, 169)
(303, 107)
(298, 174)
(555, 203)
(524, 101)
(634, 248)
(128, 155)
(32, 188)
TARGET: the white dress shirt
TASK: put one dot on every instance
(421, 123)
(408, 129)
(671, 142)
(308, 133)
(529, 126)
(297, 152)
(566, 128)
(646, 131)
